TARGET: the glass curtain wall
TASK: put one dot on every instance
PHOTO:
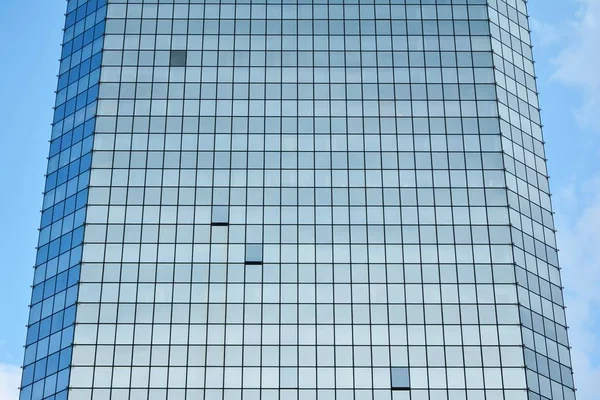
(303, 200)
(49, 341)
(541, 308)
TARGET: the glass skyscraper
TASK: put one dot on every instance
(297, 200)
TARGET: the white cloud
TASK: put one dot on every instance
(10, 377)
(545, 33)
(578, 222)
(577, 63)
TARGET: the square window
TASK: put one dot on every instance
(220, 215)
(254, 254)
(178, 58)
(400, 378)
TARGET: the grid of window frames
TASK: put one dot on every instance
(49, 340)
(549, 374)
(313, 206)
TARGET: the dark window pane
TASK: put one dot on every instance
(178, 58)
(400, 378)
(220, 215)
(253, 253)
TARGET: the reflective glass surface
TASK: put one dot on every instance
(302, 200)
(49, 342)
(541, 308)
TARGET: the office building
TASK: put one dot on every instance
(307, 200)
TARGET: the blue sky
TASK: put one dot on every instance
(565, 35)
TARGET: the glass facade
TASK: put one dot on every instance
(51, 325)
(303, 199)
